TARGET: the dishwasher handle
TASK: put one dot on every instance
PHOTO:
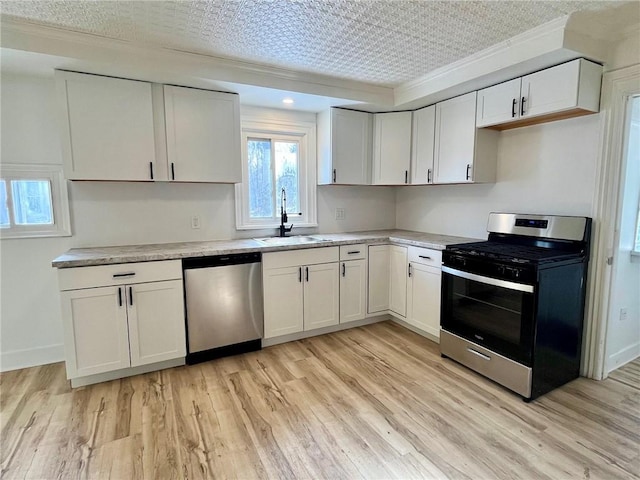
(221, 260)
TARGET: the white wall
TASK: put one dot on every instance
(118, 213)
(547, 169)
(623, 334)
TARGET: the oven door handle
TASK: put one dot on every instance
(488, 280)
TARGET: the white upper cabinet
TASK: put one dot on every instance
(462, 153)
(567, 90)
(344, 147)
(107, 127)
(423, 136)
(203, 135)
(499, 104)
(391, 148)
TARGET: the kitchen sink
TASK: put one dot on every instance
(292, 240)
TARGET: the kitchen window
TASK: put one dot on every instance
(33, 201)
(276, 157)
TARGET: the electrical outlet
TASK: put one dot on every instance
(195, 222)
(340, 214)
(623, 314)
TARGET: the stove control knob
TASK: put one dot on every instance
(516, 273)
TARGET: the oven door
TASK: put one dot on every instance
(496, 314)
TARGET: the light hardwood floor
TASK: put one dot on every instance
(370, 402)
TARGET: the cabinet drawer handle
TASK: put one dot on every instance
(334, 175)
(513, 108)
(353, 252)
(481, 355)
(468, 168)
(424, 256)
(173, 171)
(306, 270)
(344, 269)
(127, 274)
(119, 296)
(522, 105)
(300, 274)
(131, 296)
(151, 169)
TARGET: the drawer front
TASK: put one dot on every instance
(120, 274)
(295, 258)
(353, 252)
(508, 373)
(425, 256)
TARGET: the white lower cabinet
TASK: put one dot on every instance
(122, 325)
(97, 337)
(398, 269)
(378, 288)
(423, 298)
(406, 282)
(283, 301)
(156, 330)
(353, 282)
(321, 296)
(301, 290)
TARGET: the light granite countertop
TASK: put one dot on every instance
(84, 257)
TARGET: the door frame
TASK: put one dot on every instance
(617, 87)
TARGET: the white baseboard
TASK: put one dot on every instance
(31, 357)
(431, 335)
(623, 357)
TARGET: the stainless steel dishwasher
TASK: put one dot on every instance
(223, 303)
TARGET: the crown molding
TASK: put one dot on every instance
(537, 48)
(110, 56)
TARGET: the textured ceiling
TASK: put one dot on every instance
(385, 42)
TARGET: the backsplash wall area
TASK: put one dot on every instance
(548, 169)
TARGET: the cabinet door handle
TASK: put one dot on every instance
(151, 169)
(429, 176)
(306, 272)
(344, 269)
(334, 175)
(406, 176)
(173, 171)
(119, 296)
(131, 296)
(513, 108)
(468, 168)
(127, 274)
(300, 274)
(424, 256)
(522, 105)
(409, 270)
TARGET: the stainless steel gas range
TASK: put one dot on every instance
(513, 306)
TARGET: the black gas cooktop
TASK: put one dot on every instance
(512, 253)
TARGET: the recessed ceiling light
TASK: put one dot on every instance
(288, 101)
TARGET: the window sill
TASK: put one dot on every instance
(275, 226)
(12, 235)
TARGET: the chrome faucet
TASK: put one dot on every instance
(283, 214)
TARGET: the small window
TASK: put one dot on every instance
(33, 201)
(277, 165)
(636, 248)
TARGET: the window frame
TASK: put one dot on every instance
(61, 226)
(304, 134)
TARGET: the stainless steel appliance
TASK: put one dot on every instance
(223, 303)
(513, 306)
